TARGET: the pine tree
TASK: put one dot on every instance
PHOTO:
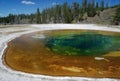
(68, 17)
(101, 5)
(57, 13)
(38, 16)
(81, 14)
(32, 17)
(76, 11)
(97, 6)
(91, 12)
(84, 5)
(10, 19)
(116, 19)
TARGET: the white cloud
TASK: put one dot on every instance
(28, 2)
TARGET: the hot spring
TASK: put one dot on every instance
(87, 44)
(84, 53)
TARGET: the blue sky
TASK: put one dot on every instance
(30, 6)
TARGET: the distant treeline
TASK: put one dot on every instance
(64, 13)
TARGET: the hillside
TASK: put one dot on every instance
(105, 17)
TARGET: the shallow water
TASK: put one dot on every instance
(35, 53)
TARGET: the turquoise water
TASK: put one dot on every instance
(84, 44)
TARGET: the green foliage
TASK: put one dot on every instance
(44, 16)
(91, 11)
(60, 13)
(102, 5)
(81, 14)
(32, 16)
(67, 13)
(97, 6)
(38, 17)
(76, 11)
(16, 19)
(85, 5)
(116, 19)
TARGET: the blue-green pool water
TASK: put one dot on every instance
(83, 44)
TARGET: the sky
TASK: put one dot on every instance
(30, 6)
